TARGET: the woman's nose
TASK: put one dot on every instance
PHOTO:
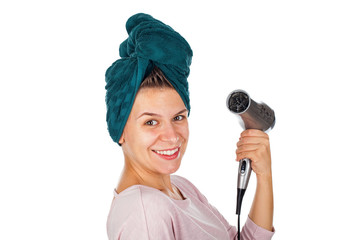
(169, 134)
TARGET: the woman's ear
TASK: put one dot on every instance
(122, 139)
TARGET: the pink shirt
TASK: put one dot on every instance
(142, 212)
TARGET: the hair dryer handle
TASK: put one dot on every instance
(244, 173)
(243, 180)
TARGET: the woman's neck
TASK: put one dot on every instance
(131, 176)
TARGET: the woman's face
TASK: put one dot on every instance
(156, 133)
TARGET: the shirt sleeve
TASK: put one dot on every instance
(250, 230)
(253, 231)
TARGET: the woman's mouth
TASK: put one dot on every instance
(168, 154)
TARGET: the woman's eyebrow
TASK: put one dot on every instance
(158, 115)
(182, 111)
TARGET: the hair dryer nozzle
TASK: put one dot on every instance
(238, 101)
(251, 114)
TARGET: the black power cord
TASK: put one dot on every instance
(239, 198)
(238, 236)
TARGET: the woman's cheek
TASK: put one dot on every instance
(185, 128)
(151, 135)
(184, 134)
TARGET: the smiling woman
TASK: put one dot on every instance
(157, 120)
(147, 114)
(155, 135)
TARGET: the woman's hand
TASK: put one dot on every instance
(254, 145)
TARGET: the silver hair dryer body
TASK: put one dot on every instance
(251, 115)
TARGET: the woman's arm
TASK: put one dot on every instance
(262, 208)
(254, 144)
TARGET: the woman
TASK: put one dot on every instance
(148, 106)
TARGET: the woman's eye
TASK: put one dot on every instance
(151, 122)
(179, 118)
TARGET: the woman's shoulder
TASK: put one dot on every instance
(181, 180)
(138, 194)
(185, 185)
(138, 199)
(136, 206)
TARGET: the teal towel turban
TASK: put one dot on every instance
(150, 43)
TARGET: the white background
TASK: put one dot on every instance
(59, 165)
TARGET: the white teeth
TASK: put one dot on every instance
(169, 153)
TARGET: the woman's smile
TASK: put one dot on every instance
(168, 154)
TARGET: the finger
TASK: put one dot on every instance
(252, 140)
(254, 133)
(253, 152)
(250, 155)
(247, 148)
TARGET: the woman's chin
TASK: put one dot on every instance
(166, 164)
(170, 168)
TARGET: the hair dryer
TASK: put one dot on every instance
(251, 115)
